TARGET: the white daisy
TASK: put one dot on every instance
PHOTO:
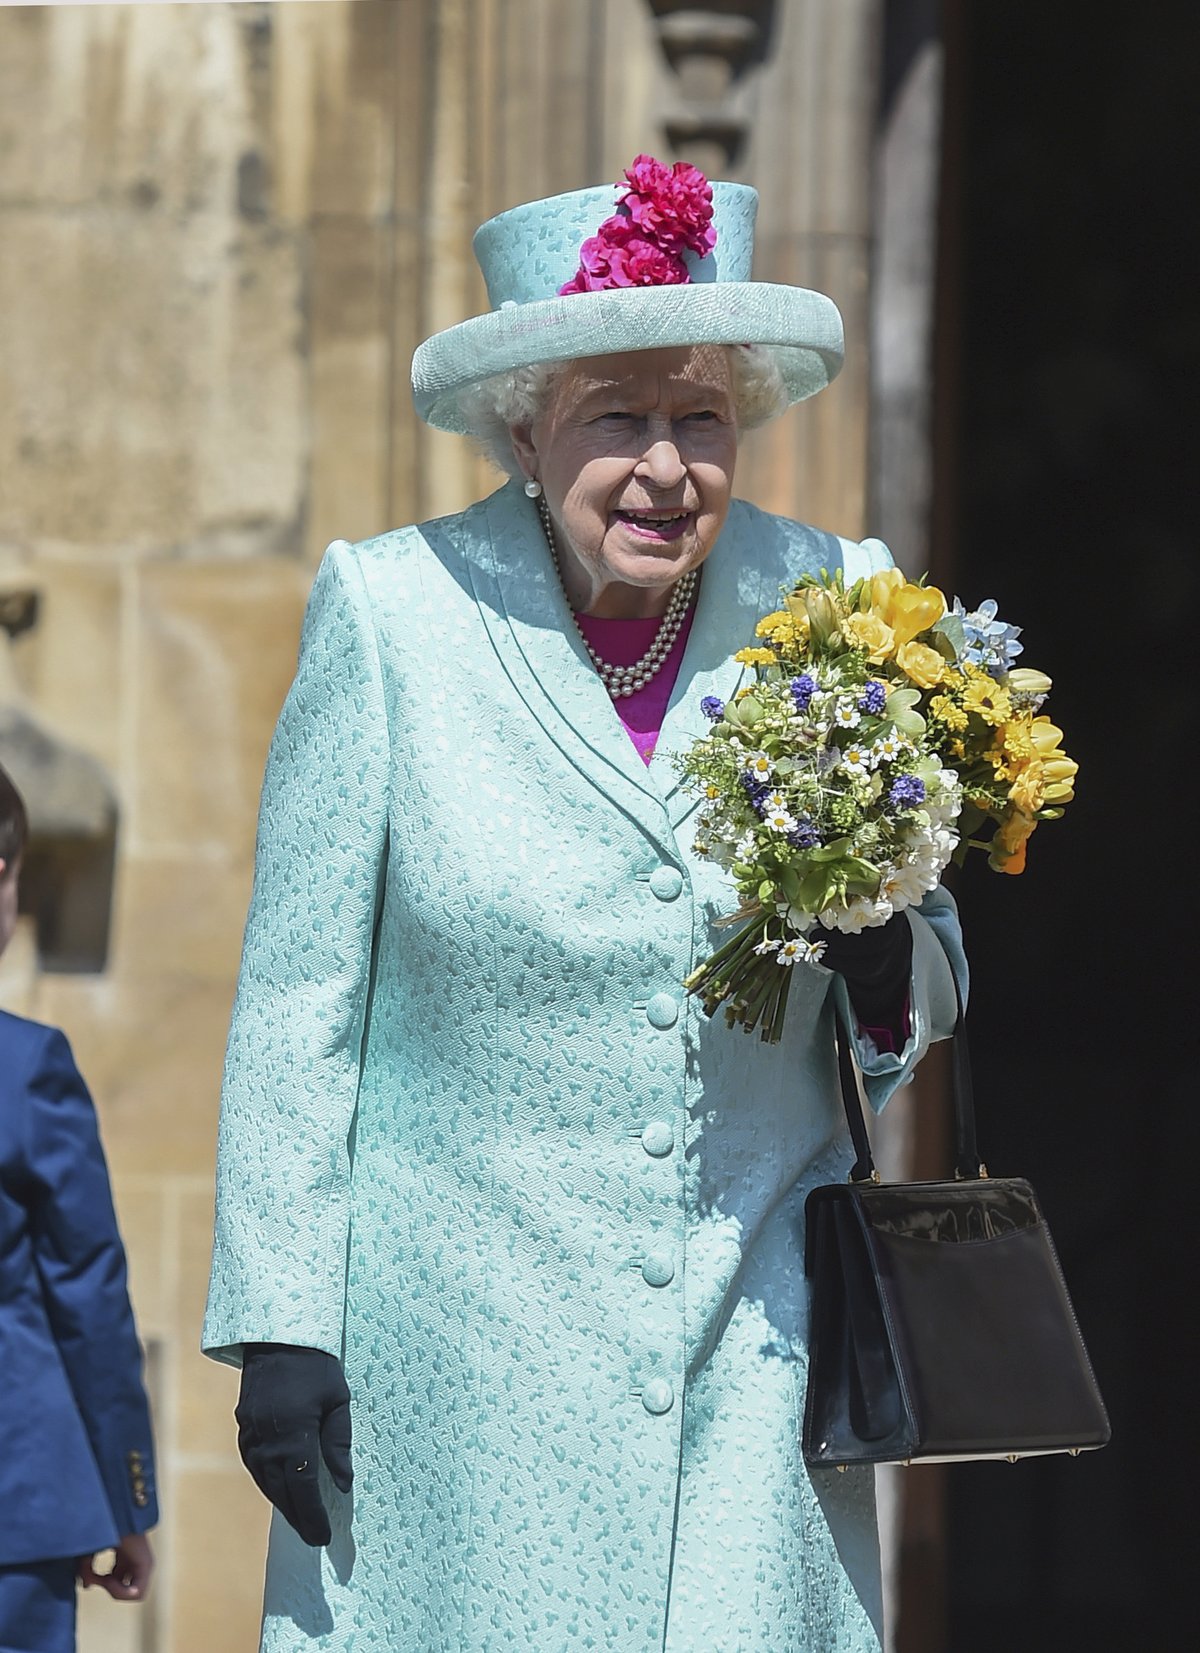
(779, 820)
(765, 947)
(846, 714)
(857, 759)
(758, 766)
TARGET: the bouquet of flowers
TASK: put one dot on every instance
(884, 734)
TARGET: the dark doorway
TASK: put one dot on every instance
(1070, 382)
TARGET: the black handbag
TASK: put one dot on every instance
(941, 1328)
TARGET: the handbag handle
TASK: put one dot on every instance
(967, 1163)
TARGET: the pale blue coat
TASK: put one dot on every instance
(476, 1140)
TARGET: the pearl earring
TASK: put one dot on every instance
(533, 488)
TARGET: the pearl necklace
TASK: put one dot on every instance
(621, 681)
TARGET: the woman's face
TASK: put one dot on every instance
(635, 454)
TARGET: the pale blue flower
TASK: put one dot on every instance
(988, 642)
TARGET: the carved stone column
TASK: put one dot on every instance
(781, 94)
(710, 49)
(68, 866)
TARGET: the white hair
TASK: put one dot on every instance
(492, 407)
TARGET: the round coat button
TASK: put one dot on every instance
(658, 1396)
(666, 882)
(658, 1139)
(662, 1011)
(658, 1269)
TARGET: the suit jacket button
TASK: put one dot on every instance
(658, 1396)
(658, 1269)
(662, 1011)
(666, 882)
(658, 1138)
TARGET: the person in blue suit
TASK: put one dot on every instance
(76, 1453)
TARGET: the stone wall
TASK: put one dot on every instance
(224, 229)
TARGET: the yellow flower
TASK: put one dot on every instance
(1016, 739)
(1027, 790)
(947, 713)
(823, 617)
(913, 609)
(1060, 772)
(798, 610)
(869, 633)
(907, 608)
(1045, 737)
(772, 624)
(756, 657)
(1008, 846)
(1025, 680)
(883, 586)
(985, 696)
(920, 664)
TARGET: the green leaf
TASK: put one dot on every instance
(816, 890)
(950, 630)
(830, 852)
(861, 877)
(789, 881)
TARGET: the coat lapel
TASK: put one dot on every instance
(735, 592)
(535, 637)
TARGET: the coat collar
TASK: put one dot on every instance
(532, 629)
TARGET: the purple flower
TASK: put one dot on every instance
(873, 698)
(804, 836)
(907, 791)
(712, 707)
(757, 791)
(803, 689)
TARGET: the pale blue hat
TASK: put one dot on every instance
(527, 254)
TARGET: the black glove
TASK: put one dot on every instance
(293, 1404)
(876, 965)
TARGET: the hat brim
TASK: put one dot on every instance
(802, 328)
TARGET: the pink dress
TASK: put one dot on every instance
(622, 643)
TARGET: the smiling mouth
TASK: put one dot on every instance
(656, 524)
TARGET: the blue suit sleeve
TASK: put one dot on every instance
(292, 1065)
(81, 1265)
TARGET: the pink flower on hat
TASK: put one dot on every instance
(672, 205)
(617, 256)
(665, 211)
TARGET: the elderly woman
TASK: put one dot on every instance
(495, 1198)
